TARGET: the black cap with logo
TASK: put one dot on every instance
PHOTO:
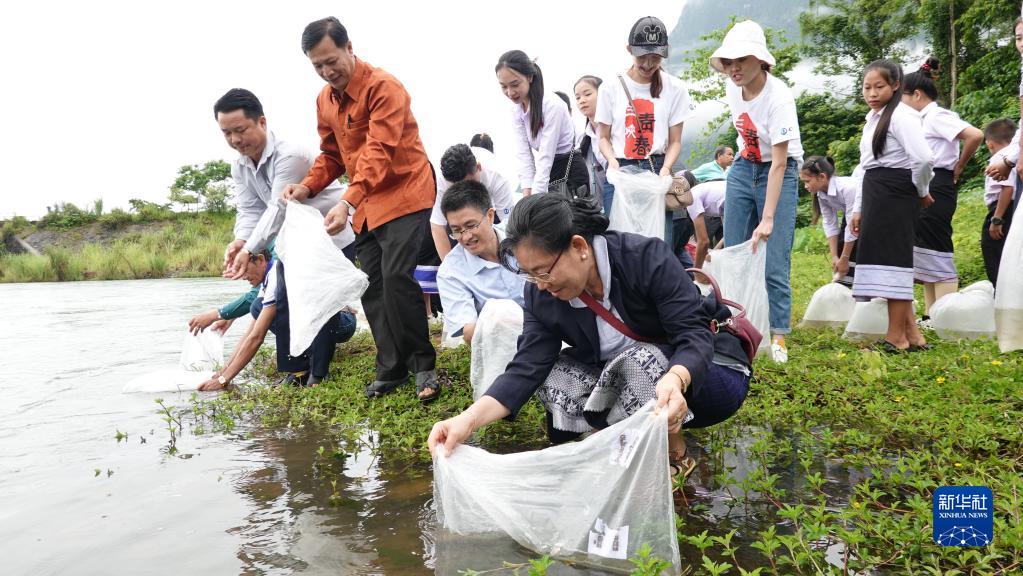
(648, 36)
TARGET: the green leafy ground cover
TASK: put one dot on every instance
(828, 468)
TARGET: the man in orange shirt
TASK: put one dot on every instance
(367, 131)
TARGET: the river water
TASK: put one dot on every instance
(76, 500)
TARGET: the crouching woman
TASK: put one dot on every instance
(635, 323)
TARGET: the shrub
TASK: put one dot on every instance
(115, 220)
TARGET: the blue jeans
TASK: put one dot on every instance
(658, 162)
(744, 207)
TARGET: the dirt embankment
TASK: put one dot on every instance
(76, 238)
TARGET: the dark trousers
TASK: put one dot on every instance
(394, 301)
(990, 248)
(316, 359)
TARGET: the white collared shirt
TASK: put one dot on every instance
(708, 198)
(612, 342)
(466, 282)
(840, 197)
(257, 190)
(499, 188)
(992, 187)
(941, 130)
(556, 136)
(905, 146)
(589, 132)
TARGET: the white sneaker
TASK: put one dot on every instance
(925, 324)
(779, 353)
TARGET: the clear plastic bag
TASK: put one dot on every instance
(203, 351)
(969, 313)
(1009, 293)
(638, 205)
(494, 343)
(831, 306)
(595, 502)
(742, 276)
(167, 380)
(320, 280)
(869, 320)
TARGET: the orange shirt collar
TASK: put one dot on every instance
(354, 83)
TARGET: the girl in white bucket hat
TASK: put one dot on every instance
(760, 202)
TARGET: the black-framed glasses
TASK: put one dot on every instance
(542, 276)
(457, 234)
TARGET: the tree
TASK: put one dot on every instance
(202, 183)
(846, 35)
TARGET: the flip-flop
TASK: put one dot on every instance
(919, 347)
(680, 470)
(380, 387)
(889, 348)
(427, 381)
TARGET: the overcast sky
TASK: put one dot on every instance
(108, 99)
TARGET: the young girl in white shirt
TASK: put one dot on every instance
(933, 258)
(544, 135)
(641, 112)
(833, 194)
(589, 144)
(897, 172)
(761, 195)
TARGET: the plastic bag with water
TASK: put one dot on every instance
(320, 280)
(638, 205)
(869, 320)
(1009, 293)
(741, 275)
(494, 343)
(595, 502)
(201, 355)
(969, 313)
(831, 306)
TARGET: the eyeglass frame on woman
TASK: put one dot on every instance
(542, 276)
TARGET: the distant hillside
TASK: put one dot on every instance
(702, 16)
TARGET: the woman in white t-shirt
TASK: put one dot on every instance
(646, 129)
(762, 195)
(544, 135)
(933, 253)
(589, 143)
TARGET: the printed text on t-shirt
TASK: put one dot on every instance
(639, 129)
(750, 138)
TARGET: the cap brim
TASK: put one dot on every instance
(661, 51)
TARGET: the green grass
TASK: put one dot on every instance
(841, 445)
(187, 245)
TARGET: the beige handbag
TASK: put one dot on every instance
(679, 196)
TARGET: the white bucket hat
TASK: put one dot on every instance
(746, 38)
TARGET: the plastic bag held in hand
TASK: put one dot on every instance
(321, 281)
(594, 502)
(202, 351)
(741, 274)
(1009, 292)
(638, 205)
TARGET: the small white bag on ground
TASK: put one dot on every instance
(594, 502)
(869, 321)
(969, 313)
(742, 277)
(320, 280)
(494, 343)
(638, 205)
(831, 306)
(1009, 292)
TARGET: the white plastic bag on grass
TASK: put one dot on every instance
(869, 320)
(969, 313)
(494, 343)
(742, 276)
(830, 306)
(320, 280)
(204, 351)
(594, 502)
(1009, 292)
(638, 205)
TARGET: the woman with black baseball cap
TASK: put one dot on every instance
(640, 114)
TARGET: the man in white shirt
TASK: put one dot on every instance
(482, 299)
(461, 162)
(265, 165)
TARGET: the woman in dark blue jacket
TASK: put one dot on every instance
(565, 251)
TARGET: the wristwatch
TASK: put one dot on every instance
(221, 379)
(997, 221)
(1008, 162)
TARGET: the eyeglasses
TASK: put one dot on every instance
(542, 276)
(457, 234)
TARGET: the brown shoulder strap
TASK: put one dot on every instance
(613, 320)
